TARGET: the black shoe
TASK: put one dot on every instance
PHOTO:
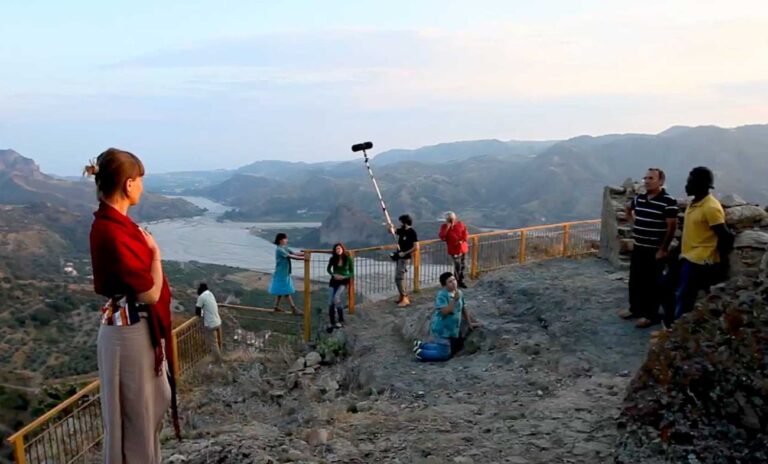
(462, 285)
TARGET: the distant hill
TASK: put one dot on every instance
(561, 183)
(22, 183)
(196, 181)
(173, 183)
(356, 229)
(459, 151)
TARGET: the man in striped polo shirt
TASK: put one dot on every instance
(654, 216)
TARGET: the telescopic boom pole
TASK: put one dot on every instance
(364, 147)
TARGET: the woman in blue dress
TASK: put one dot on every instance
(282, 284)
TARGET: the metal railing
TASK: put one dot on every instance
(64, 434)
(73, 429)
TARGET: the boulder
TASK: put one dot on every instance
(630, 187)
(731, 200)
(752, 239)
(744, 215)
(616, 190)
(313, 359)
(298, 365)
(327, 384)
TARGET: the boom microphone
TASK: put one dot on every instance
(367, 146)
(362, 146)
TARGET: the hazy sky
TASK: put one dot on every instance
(212, 84)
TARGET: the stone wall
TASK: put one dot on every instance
(615, 230)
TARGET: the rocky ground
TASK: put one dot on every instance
(541, 382)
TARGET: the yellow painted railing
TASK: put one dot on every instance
(73, 429)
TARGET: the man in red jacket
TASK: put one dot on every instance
(454, 234)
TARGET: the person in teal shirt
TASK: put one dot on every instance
(341, 267)
(282, 284)
(445, 326)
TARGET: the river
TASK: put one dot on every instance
(207, 240)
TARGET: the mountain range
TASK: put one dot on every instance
(22, 183)
(497, 184)
(489, 183)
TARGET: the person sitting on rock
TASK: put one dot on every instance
(654, 217)
(446, 323)
(705, 244)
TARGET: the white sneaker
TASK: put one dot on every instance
(417, 345)
(339, 325)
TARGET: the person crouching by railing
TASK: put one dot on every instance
(341, 267)
(207, 308)
(136, 387)
(445, 327)
(407, 243)
(282, 283)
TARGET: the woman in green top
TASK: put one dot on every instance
(341, 267)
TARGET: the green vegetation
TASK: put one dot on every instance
(331, 346)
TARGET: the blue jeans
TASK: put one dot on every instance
(693, 277)
(336, 303)
(438, 350)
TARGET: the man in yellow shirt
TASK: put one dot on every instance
(706, 240)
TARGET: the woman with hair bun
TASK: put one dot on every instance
(281, 285)
(134, 339)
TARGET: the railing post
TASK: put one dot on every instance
(307, 296)
(521, 253)
(474, 269)
(351, 287)
(176, 367)
(417, 269)
(566, 238)
(18, 450)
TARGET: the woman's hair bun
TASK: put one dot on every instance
(91, 169)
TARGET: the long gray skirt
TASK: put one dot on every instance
(133, 399)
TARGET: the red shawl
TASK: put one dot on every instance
(122, 263)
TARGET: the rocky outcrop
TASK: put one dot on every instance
(701, 394)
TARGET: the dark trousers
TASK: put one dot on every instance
(669, 283)
(645, 273)
(459, 263)
(693, 278)
(335, 302)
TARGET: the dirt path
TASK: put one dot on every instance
(541, 383)
(544, 385)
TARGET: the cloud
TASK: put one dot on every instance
(301, 95)
(327, 50)
(621, 53)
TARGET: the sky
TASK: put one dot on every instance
(197, 85)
